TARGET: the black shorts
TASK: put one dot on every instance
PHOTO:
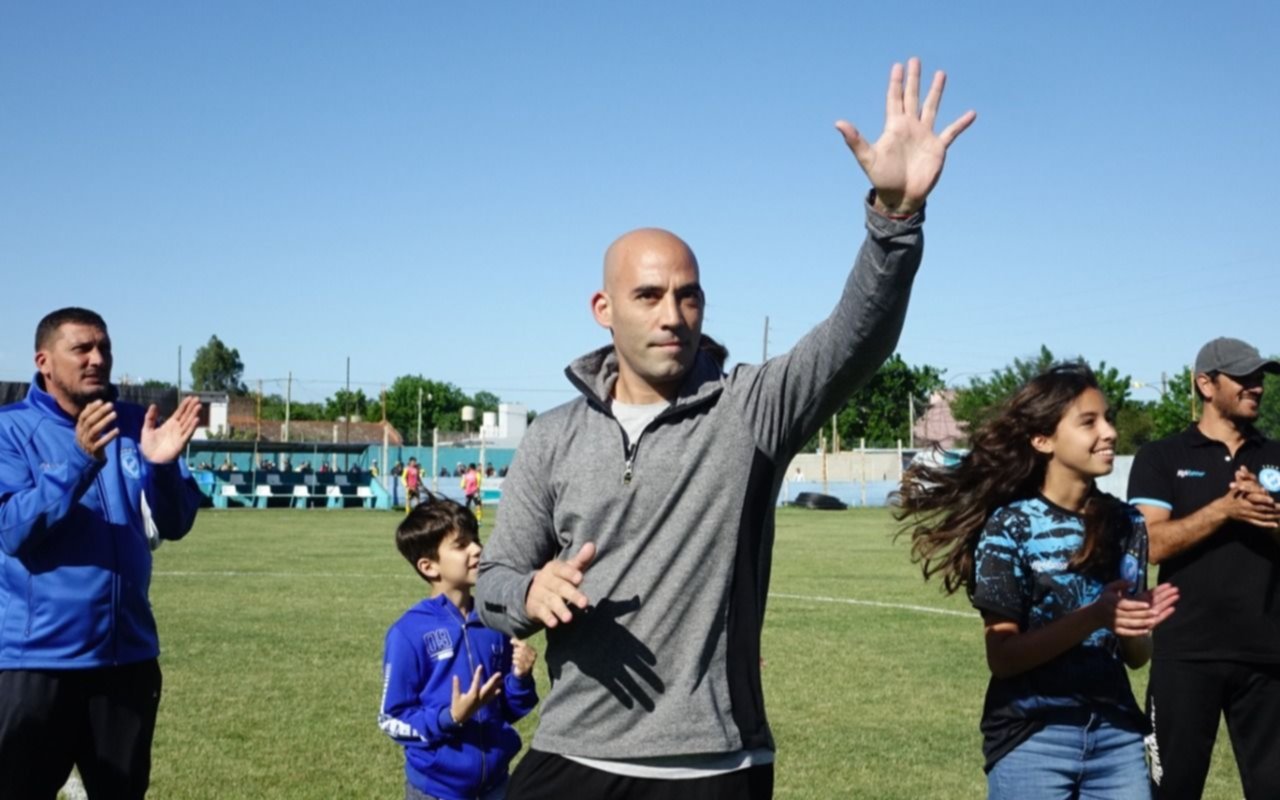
(100, 720)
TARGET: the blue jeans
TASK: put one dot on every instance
(1095, 761)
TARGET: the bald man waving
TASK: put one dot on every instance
(637, 521)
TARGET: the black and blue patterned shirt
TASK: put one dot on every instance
(1021, 574)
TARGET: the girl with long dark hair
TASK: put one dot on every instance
(1058, 570)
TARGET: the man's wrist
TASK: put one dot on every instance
(898, 210)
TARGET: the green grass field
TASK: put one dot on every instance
(272, 626)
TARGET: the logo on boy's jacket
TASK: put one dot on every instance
(439, 645)
(1269, 477)
(1190, 473)
(129, 461)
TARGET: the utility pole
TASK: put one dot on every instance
(911, 421)
(179, 383)
(764, 353)
(288, 399)
(419, 417)
(346, 458)
(259, 414)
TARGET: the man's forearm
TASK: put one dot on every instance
(500, 595)
(1174, 536)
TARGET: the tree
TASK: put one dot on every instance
(1172, 412)
(217, 368)
(880, 411)
(1269, 413)
(976, 403)
(346, 403)
(441, 406)
(485, 401)
(273, 406)
(1134, 428)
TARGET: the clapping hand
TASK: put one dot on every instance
(163, 444)
(1135, 616)
(95, 428)
(522, 657)
(465, 704)
(905, 162)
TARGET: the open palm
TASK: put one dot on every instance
(162, 444)
(906, 161)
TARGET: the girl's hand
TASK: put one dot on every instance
(1135, 616)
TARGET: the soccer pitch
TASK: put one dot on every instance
(272, 622)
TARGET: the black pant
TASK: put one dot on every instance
(1185, 700)
(101, 720)
(545, 776)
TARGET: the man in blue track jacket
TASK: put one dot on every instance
(88, 488)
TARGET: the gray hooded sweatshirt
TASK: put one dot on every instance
(666, 661)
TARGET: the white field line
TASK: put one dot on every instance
(849, 601)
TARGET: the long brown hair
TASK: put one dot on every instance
(944, 509)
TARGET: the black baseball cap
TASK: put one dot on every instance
(1233, 357)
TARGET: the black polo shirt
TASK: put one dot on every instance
(1229, 582)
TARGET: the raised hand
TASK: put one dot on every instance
(905, 162)
(163, 444)
(95, 428)
(465, 704)
(555, 588)
(522, 657)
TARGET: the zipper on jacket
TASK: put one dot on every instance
(471, 662)
(631, 460)
(115, 578)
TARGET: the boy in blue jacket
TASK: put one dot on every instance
(457, 744)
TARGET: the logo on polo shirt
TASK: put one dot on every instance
(1269, 477)
(1190, 473)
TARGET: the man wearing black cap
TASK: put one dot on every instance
(1207, 495)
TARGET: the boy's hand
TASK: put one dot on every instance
(522, 657)
(465, 705)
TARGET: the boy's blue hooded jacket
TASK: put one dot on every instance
(426, 648)
(76, 537)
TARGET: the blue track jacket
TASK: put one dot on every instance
(425, 649)
(75, 542)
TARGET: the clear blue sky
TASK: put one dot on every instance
(428, 187)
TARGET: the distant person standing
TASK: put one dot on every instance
(412, 479)
(89, 485)
(471, 490)
(1207, 496)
